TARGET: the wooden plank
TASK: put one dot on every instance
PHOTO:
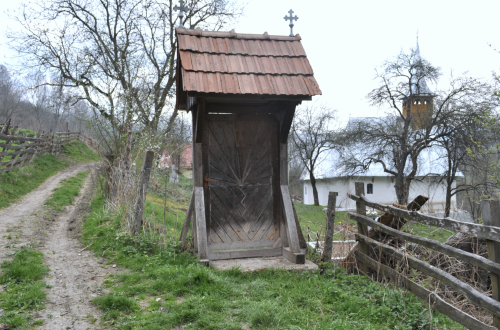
(491, 217)
(362, 229)
(243, 245)
(289, 108)
(474, 296)
(252, 253)
(293, 238)
(201, 223)
(427, 296)
(187, 222)
(471, 258)
(17, 138)
(487, 232)
(330, 223)
(17, 153)
(296, 258)
(200, 119)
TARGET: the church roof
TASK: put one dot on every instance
(234, 63)
(418, 85)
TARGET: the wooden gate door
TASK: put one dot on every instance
(241, 186)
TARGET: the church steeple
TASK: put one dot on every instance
(418, 101)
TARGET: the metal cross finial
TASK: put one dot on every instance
(291, 19)
(182, 8)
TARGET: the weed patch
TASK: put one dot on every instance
(66, 193)
(23, 290)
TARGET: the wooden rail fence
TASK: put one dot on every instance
(490, 231)
(19, 150)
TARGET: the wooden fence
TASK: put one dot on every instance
(19, 150)
(489, 231)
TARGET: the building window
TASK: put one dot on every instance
(369, 188)
(305, 190)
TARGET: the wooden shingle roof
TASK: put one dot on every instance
(231, 63)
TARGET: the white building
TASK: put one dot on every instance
(379, 186)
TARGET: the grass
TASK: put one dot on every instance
(314, 218)
(19, 182)
(197, 297)
(66, 193)
(23, 289)
(79, 152)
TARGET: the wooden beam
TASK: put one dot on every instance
(487, 232)
(491, 217)
(201, 224)
(330, 223)
(359, 187)
(249, 97)
(471, 258)
(200, 118)
(293, 237)
(264, 108)
(296, 258)
(286, 124)
(428, 296)
(187, 222)
(474, 296)
(251, 253)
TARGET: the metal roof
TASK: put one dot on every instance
(231, 63)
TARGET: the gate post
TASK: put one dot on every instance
(491, 217)
(362, 229)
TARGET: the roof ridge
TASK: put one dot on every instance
(232, 34)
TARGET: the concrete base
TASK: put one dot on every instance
(255, 264)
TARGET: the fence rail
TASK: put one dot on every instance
(19, 150)
(368, 263)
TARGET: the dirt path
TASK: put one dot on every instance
(76, 276)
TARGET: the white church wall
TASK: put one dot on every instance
(383, 190)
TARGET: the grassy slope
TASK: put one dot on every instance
(204, 298)
(19, 182)
(23, 289)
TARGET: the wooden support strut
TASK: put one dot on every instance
(200, 118)
(491, 217)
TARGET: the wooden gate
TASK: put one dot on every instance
(241, 185)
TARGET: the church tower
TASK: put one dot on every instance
(419, 100)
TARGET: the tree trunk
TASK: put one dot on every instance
(401, 191)
(447, 207)
(127, 158)
(315, 191)
(143, 189)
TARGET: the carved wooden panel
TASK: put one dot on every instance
(241, 179)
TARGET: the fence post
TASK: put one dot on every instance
(359, 188)
(491, 217)
(330, 223)
(143, 188)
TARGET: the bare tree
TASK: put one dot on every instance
(416, 120)
(10, 94)
(119, 56)
(313, 136)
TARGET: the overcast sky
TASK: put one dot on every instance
(346, 40)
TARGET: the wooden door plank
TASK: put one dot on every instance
(226, 226)
(232, 217)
